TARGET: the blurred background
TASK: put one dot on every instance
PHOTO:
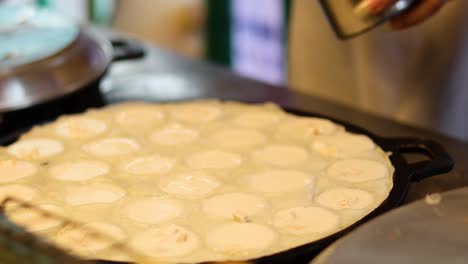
(251, 38)
(241, 34)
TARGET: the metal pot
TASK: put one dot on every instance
(65, 82)
(49, 65)
(82, 62)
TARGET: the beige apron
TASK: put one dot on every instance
(405, 75)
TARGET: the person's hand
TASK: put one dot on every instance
(423, 10)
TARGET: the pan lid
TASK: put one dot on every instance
(433, 230)
(28, 34)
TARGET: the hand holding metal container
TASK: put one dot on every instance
(350, 18)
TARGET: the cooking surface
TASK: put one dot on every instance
(214, 173)
(163, 76)
(432, 230)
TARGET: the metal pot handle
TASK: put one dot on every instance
(127, 49)
(439, 160)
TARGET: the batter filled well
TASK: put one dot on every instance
(195, 181)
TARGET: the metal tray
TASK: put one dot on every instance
(430, 231)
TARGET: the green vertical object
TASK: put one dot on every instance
(218, 31)
(101, 11)
(287, 16)
(287, 26)
(44, 3)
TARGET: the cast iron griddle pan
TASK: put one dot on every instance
(437, 161)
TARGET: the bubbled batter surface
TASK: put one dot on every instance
(196, 181)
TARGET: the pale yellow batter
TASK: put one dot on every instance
(197, 181)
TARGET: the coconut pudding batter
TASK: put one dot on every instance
(197, 181)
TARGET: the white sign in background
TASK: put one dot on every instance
(257, 39)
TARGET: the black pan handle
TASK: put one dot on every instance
(127, 49)
(439, 160)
